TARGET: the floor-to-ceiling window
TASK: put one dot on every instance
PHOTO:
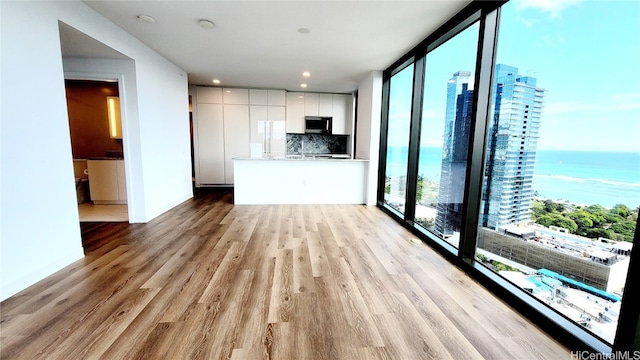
(561, 186)
(527, 163)
(444, 140)
(399, 122)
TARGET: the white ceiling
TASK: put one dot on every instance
(257, 43)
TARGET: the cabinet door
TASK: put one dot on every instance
(103, 180)
(311, 103)
(210, 138)
(122, 183)
(342, 114)
(259, 117)
(237, 136)
(277, 131)
(208, 95)
(277, 98)
(258, 97)
(325, 104)
(236, 96)
(295, 112)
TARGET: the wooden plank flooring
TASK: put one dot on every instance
(210, 280)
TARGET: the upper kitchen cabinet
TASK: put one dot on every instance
(235, 96)
(295, 112)
(258, 97)
(267, 97)
(325, 105)
(311, 104)
(208, 95)
(342, 114)
(277, 97)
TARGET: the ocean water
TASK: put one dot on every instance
(581, 177)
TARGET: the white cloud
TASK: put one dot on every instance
(616, 102)
(552, 7)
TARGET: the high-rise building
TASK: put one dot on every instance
(454, 154)
(511, 149)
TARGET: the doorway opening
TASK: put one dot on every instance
(97, 149)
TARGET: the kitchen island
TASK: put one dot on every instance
(297, 180)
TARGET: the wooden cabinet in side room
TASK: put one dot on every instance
(237, 136)
(107, 182)
(295, 112)
(210, 137)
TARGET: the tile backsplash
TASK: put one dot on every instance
(317, 144)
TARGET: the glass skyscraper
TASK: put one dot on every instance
(511, 148)
(454, 154)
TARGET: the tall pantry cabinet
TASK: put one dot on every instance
(227, 121)
(222, 128)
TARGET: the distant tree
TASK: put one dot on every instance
(583, 219)
(599, 232)
(621, 209)
(419, 188)
(596, 209)
(555, 219)
(537, 209)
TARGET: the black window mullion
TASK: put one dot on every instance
(384, 127)
(477, 138)
(414, 140)
(628, 334)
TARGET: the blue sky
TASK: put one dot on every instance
(586, 54)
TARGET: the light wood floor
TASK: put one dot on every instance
(212, 280)
(88, 212)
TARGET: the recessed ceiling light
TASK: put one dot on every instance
(146, 19)
(301, 97)
(228, 91)
(306, 74)
(206, 24)
(303, 85)
(216, 81)
(304, 31)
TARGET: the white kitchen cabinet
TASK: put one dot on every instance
(311, 103)
(208, 95)
(277, 97)
(210, 136)
(235, 96)
(258, 97)
(295, 112)
(277, 131)
(107, 181)
(342, 114)
(237, 136)
(325, 105)
(268, 128)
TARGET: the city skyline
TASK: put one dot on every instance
(589, 70)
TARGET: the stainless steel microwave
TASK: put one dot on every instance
(317, 124)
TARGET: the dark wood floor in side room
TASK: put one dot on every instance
(212, 280)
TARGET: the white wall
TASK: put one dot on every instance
(368, 128)
(39, 219)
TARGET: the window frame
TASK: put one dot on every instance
(556, 324)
